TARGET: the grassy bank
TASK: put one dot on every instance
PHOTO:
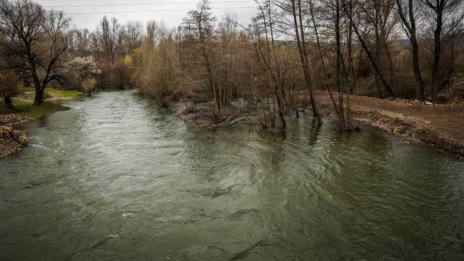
(11, 140)
(24, 106)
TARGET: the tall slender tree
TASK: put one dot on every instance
(447, 21)
(407, 10)
(299, 28)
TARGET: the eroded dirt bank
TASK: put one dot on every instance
(441, 125)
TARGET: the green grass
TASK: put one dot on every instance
(23, 104)
(26, 108)
(63, 93)
(38, 111)
(20, 105)
(55, 93)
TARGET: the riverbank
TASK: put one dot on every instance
(440, 126)
(13, 140)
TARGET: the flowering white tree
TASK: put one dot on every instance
(84, 66)
(82, 71)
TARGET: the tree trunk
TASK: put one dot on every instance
(275, 78)
(209, 70)
(39, 96)
(304, 56)
(321, 58)
(341, 115)
(350, 72)
(410, 28)
(8, 103)
(417, 72)
(437, 54)
(39, 89)
(278, 84)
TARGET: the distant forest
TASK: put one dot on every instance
(385, 48)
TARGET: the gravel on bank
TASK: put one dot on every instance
(11, 140)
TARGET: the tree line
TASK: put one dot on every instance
(290, 51)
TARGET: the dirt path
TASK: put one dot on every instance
(441, 126)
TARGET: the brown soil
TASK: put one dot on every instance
(11, 140)
(441, 125)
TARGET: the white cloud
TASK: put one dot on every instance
(88, 13)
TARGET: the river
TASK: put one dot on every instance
(115, 178)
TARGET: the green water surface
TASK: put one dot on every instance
(115, 178)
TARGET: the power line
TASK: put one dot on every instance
(137, 4)
(153, 11)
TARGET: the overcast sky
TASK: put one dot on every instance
(88, 13)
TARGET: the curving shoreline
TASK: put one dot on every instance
(436, 126)
(12, 140)
(439, 126)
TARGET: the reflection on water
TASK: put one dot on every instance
(115, 178)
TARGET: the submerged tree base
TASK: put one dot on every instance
(202, 115)
(438, 126)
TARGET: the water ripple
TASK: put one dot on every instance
(117, 178)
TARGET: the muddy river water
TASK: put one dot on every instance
(115, 178)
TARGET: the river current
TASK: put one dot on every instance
(116, 178)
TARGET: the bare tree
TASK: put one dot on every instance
(109, 34)
(269, 60)
(133, 35)
(300, 35)
(151, 27)
(312, 12)
(447, 19)
(37, 39)
(338, 69)
(201, 21)
(79, 42)
(354, 17)
(407, 10)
